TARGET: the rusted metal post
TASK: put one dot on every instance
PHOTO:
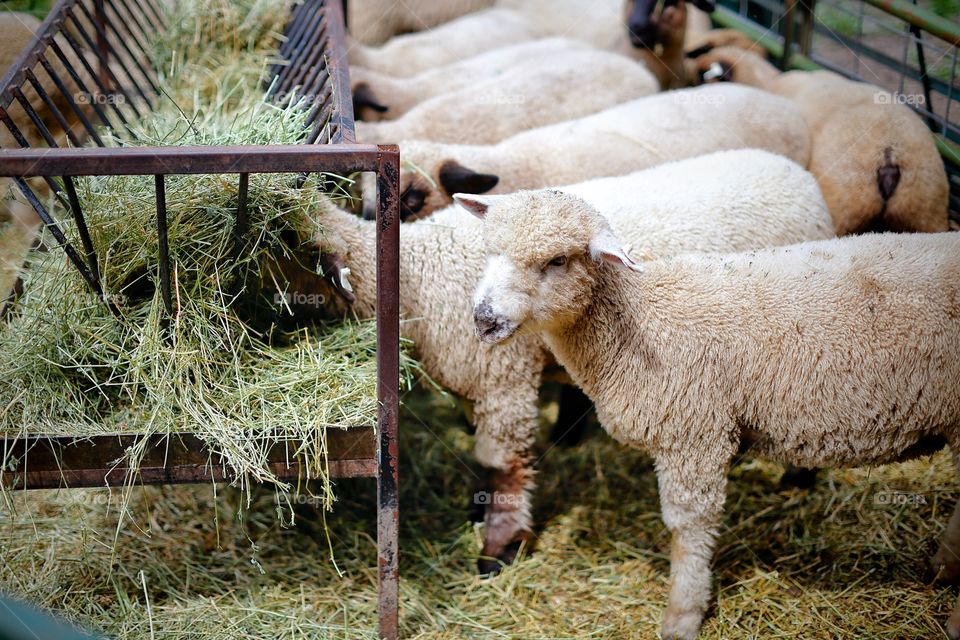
(786, 30)
(104, 51)
(388, 381)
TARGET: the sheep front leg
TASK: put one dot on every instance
(691, 498)
(506, 426)
(945, 564)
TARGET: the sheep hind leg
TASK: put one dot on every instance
(945, 564)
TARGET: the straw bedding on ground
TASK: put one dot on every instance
(839, 561)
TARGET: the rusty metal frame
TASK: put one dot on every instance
(314, 64)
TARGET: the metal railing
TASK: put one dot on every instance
(87, 69)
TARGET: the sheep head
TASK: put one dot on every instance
(644, 17)
(544, 249)
(729, 64)
(430, 175)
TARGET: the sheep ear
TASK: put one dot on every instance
(456, 178)
(364, 98)
(477, 205)
(607, 247)
(335, 272)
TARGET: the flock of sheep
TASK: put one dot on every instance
(570, 198)
(632, 243)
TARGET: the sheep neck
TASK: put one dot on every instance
(592, 347)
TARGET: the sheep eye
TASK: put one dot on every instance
(559, 261)
(411, 202)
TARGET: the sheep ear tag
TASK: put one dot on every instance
(607, 247)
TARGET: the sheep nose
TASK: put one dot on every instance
(485, 320)
(643, 34)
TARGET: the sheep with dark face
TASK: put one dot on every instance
(628, 137)
(824, 354)
(598, 23)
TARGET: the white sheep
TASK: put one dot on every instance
(824, 354)
(521, 99)
(377, 96)
(629, 137)
(598, 23)
(742, 199)
(373, 22)
(874, 158)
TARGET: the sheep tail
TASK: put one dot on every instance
(888, 176)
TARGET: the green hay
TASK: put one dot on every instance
(72, 368)
(826, 564)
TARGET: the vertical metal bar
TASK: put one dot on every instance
(787, 28)
(51, 106)
(807, 11)
(107, 90)
(123, 43)
(99, 26)
(164, 243)
(240, 228)
(34, 116)
(81, 85)
(82, 227)
(388, 383)
(58, 235)
(65, 92)
(102, 50)
(340, 75)
(78, 51)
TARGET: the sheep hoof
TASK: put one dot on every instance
(489, 567)
(682, 625)
(798, 478)
(953, 626)
(944, 568)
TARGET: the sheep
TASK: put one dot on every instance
(842, 352)
(631, 136)
(742, 199)
(875, 160)
(456, 40)
(530, 97)
(377, 96)
(373, 22)
(513, 21)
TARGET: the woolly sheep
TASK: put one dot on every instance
(834, 353)
(513, 21)
(631, 136)
(875, 160)
(743, 199)
(530, 97)
(378, 96)
(373, 22)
